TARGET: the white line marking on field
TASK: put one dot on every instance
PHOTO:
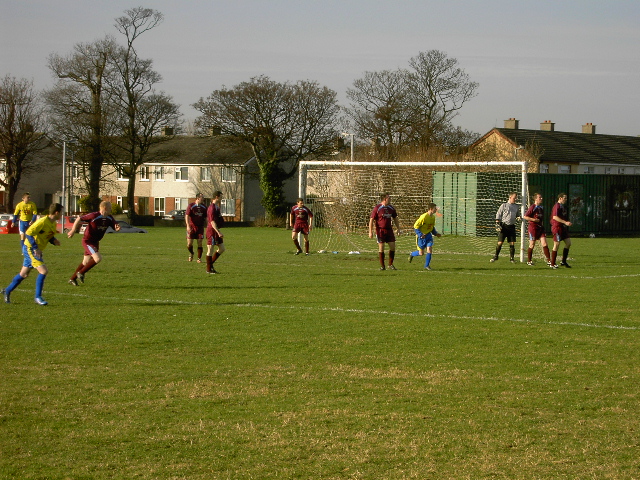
(362, 311)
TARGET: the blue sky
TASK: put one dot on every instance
(571, 61)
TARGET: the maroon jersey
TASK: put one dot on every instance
(97, 225)
(214, 215)
(537, 212)
(301, 214)
(197, 215)
(383, 217)
(560, 211)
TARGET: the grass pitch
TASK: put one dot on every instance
(315, 367)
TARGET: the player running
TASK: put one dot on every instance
(560, 229)
(195, 217)
(25, 214)
(535, 216)
(301, 220)
(383, 216)
(214, 223)
(425, 228)
(97, 224)
(37, 237)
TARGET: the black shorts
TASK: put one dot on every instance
(508, 232)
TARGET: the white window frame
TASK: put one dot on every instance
(607, 170)
(205, 174)
(228, 207)
(159, 205)
(621, 170)
(589, 169)
(563, 168)
(544, 168)
(181, 203)
(228, 174)
(182, 174)
(145, 173)
(159, 174)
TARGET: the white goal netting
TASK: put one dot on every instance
(468, 194)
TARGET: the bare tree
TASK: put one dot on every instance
(142, 110)
(80, 107)
(411, 108)
(438, 88)
(22, 129)
(284, 123)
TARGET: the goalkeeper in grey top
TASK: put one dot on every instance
(506, 217)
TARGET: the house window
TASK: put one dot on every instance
(228, 174)
(205, 174)
(564, 168)
(123, 202)
(75, 171)
(181, 203)
(621, 170)
(145, 174)
(123, 172)
(158, 206)
(159, 173)
(590, 170)
(544, 168)
(182, 174)
(228, 207)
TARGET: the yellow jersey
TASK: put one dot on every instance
(43, 230)
(425, 223)
(25, 211)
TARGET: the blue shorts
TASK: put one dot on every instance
(23, 225)
(425, 242)
(30, 260)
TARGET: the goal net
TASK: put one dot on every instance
(342, 195)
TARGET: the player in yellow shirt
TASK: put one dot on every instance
(37, 237)
(425, 228)
(26, 213)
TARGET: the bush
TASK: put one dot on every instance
(116, 209)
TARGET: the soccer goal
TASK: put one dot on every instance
(468, 194)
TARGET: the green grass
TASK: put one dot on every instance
(315, 367)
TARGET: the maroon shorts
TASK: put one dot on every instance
(385, 236)
(560, 235)
(301, 227)
(535, 234)
(197, 233)
(214, 239)
(90, 248)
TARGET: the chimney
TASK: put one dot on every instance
(547, 126)
(589, 128)
(512, 124)
(167, 131)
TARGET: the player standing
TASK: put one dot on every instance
(37, 237)
(25, 214)
(195, 217)
(535, 216)
(383, 216)
(425, 228)
(506, 218)
(301, 220)
(214, 223)
(97, 224)
(560, 229)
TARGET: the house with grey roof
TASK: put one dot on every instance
(550, 151)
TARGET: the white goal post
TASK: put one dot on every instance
(341, 195)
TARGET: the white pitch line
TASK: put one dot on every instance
(362, 311)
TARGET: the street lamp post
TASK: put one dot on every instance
(345, 134)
